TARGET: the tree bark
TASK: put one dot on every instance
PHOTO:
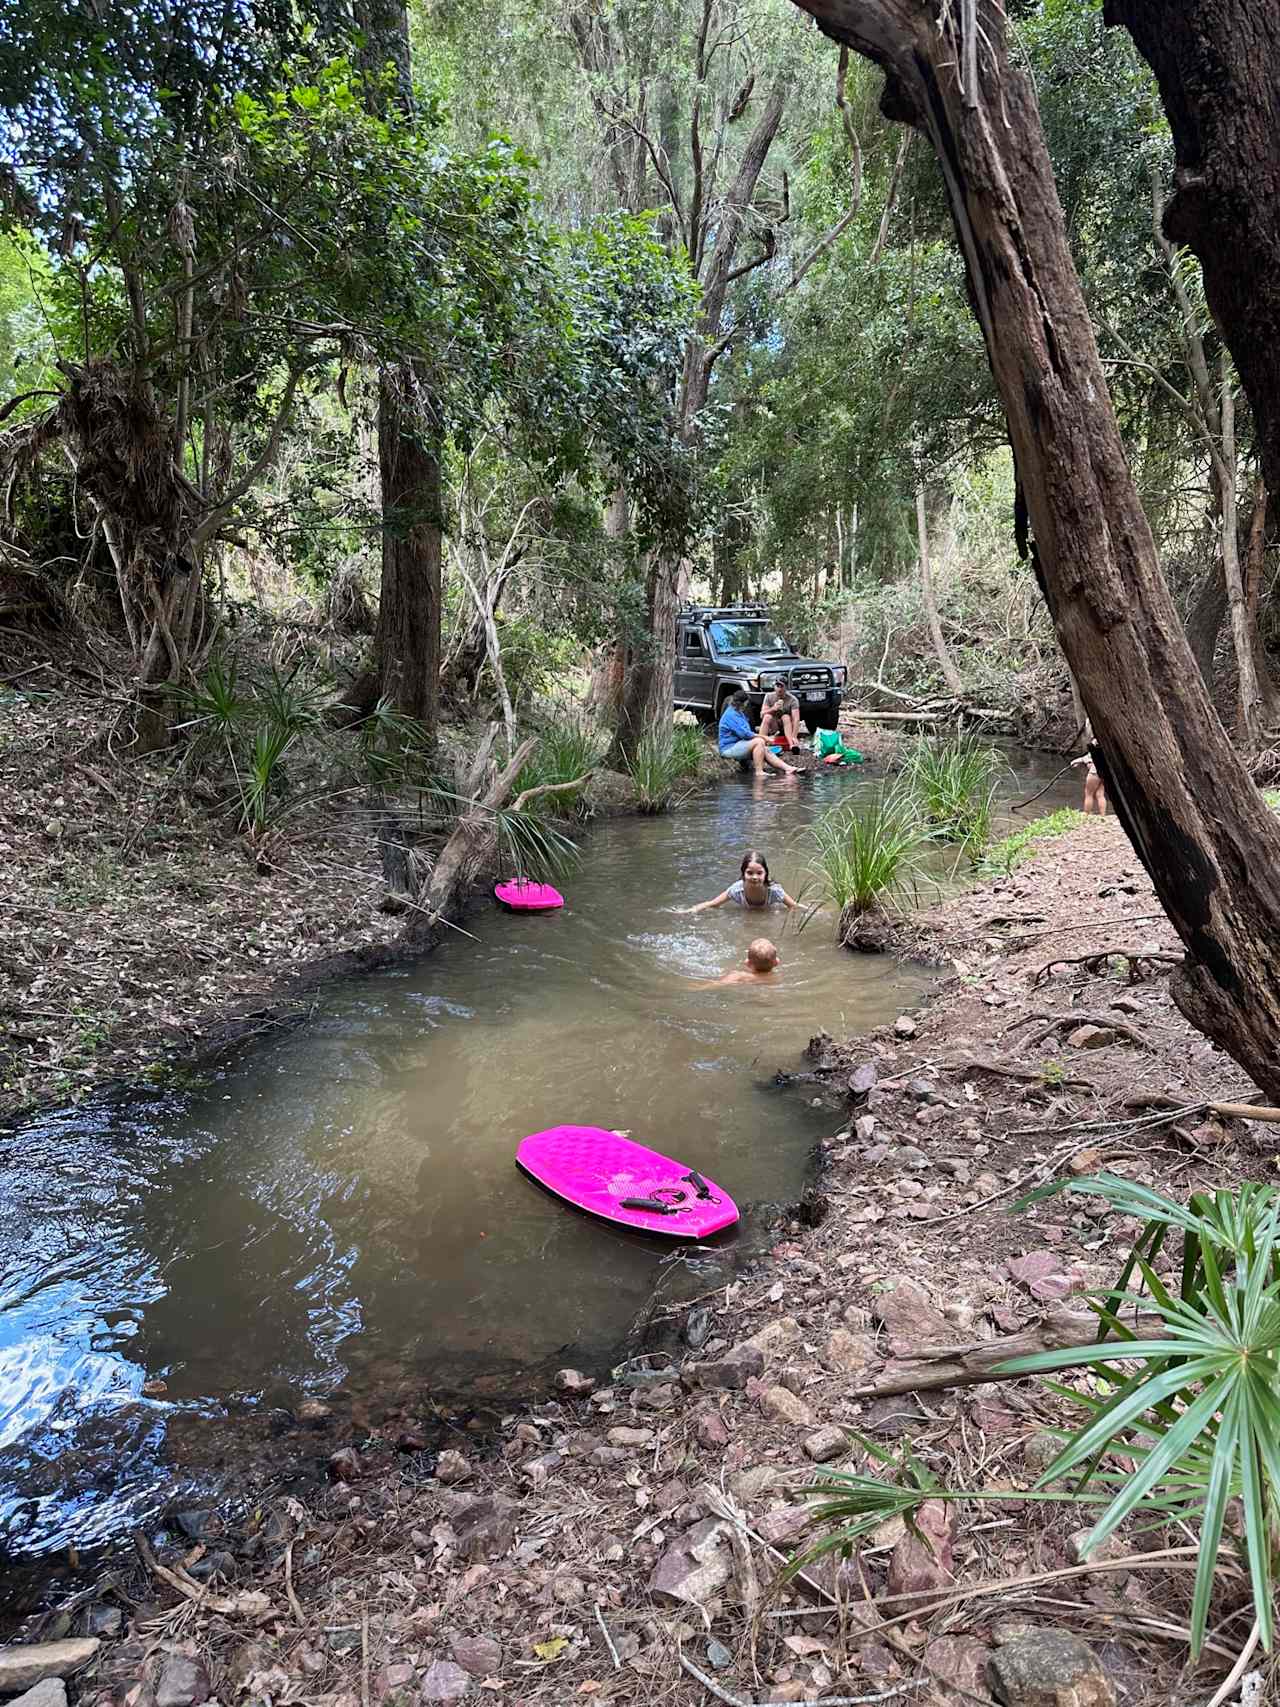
(1205, 619)
(1181, 793)
(1255, 555)
(950, 674)
(408, 637)
(1249, 699)
(609, 672)
(1217, 62)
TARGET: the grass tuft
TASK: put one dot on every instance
(954, 782)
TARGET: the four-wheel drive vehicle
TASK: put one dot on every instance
(721, 648)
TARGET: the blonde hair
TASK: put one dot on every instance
(762, 956)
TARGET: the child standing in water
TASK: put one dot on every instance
(1095, 794)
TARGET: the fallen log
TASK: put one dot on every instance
(967, 1365)
(470, 848)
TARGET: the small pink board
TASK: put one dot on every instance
(522, 897)
(602, 1172)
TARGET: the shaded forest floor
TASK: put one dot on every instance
(615, 1541)
(143, 928)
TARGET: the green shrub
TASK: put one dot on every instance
(655, 770)
(1176, 1427)
(688, 749)
(954, 782)
(567, 751)
(1009, 853)
(867, 850)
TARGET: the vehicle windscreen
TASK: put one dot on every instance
(731, 637)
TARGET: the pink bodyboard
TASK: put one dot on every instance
(522, 897)
(595, 1170)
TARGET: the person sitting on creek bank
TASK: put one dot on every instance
(761, 967)
(738, 740)
(753, 888)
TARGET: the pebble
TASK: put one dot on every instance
(574, 1382)
(630, 1437)
(452, 1466)
(711, 1429)
(444, 1681)
(183, 1682)
(781, 1405)
(846, 1353)
(718, 1656)
(904, 1027)
(1048, 1668)
(52, 1692)
(24, 1666)
(827, 1443)
(1091, 1037)
(865, 1128)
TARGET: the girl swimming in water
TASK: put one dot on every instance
(753, 888)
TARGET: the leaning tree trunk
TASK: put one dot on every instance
(1183, 797)
(1205, 619)
(1217, 64)
(648, 689)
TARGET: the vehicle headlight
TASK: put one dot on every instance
(767, 681)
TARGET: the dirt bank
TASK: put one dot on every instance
(613, 1544)
(146, 935)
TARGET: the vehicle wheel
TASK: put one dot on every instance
(823, 717)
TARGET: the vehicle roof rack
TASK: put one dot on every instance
(709, 611)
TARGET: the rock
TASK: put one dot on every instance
(907, 1156)
(574, 1382)
(486, 1530)
(827, 1443)
(1090, 1037)
(711, 1429)
(346, 1465)
(391, 1679)
(694, 1567)
(568, 1590)
(183, 1682)
(1085, 1162)
(782, 1524)
(313, 1413)
(862, 1081)
(734, 1369)
(630, 1437)
(452, 1466)
(718, 1655)
(659, 1398)
(911, 1319)
(960, 1661)
(1042, 1273)
(697, 1329)
(876, 1154)
(780, 1405)
(778, 1334)
(747, 1486)
(922, 1090)
(1048, 1668)
(536, 1470)
(864, 1128)
(904, 1027)
(51, 1693)
(846, 1353)
(1126, 1005)
(923, 1562)
(444, 1681)
(193, 1524)
(105, 1621)
(955, 1167)
(1040, 1450)
(22, 1667)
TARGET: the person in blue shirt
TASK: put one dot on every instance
(738, 740)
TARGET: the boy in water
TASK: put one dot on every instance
(761, 967)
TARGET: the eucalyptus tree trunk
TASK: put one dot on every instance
(1217, 63)
(955, 687)
(407, 642)
(1180, 791)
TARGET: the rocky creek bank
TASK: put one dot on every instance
(623, 1540)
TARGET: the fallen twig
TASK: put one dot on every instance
(288, 1586)
(827, 1701)
(608, 1639)
(1021, 805)
(1087, 925)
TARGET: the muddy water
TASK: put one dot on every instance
(339, 1206)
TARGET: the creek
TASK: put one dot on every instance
(337, 1207)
